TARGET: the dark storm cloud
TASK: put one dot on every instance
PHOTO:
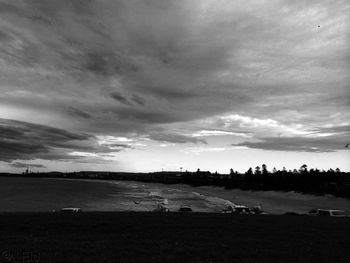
(120, 98)
(11, 150)
(123, 68)
(143, 116)
(107, 63)
(10, 132)
(27, 141)
(78, 113)
(150, 43)
(27, 165)
(140, 101)
(118, 145)
(128, 100)
(172, 93)
(325, 143)
(9, 8)
(72, 42)
(5, 37)
(37, 131)
(335, 129)
(22, 12)
(99, 63)
(175, 138)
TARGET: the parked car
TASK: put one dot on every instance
(228, 209)
(185, 209)
(331, 212)
(312, 212)
(256, 210)
(242, 209)
(161, 209)
(71, 210)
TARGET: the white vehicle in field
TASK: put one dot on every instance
(242, 209)
(331, 212)
(228, 209)
(160, 208)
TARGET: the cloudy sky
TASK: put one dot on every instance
(150, 85)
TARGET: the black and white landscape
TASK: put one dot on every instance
(174, 131)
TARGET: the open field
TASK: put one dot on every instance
(173, 237)
(274, 202)
(47, 194)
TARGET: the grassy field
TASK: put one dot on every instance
(173, 237)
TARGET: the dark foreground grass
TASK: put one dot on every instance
(173, 237)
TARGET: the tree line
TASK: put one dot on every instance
(303, 180)
(313, 181)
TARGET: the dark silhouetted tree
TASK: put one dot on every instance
(303, 168)
(257, 170)
(274, 170)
